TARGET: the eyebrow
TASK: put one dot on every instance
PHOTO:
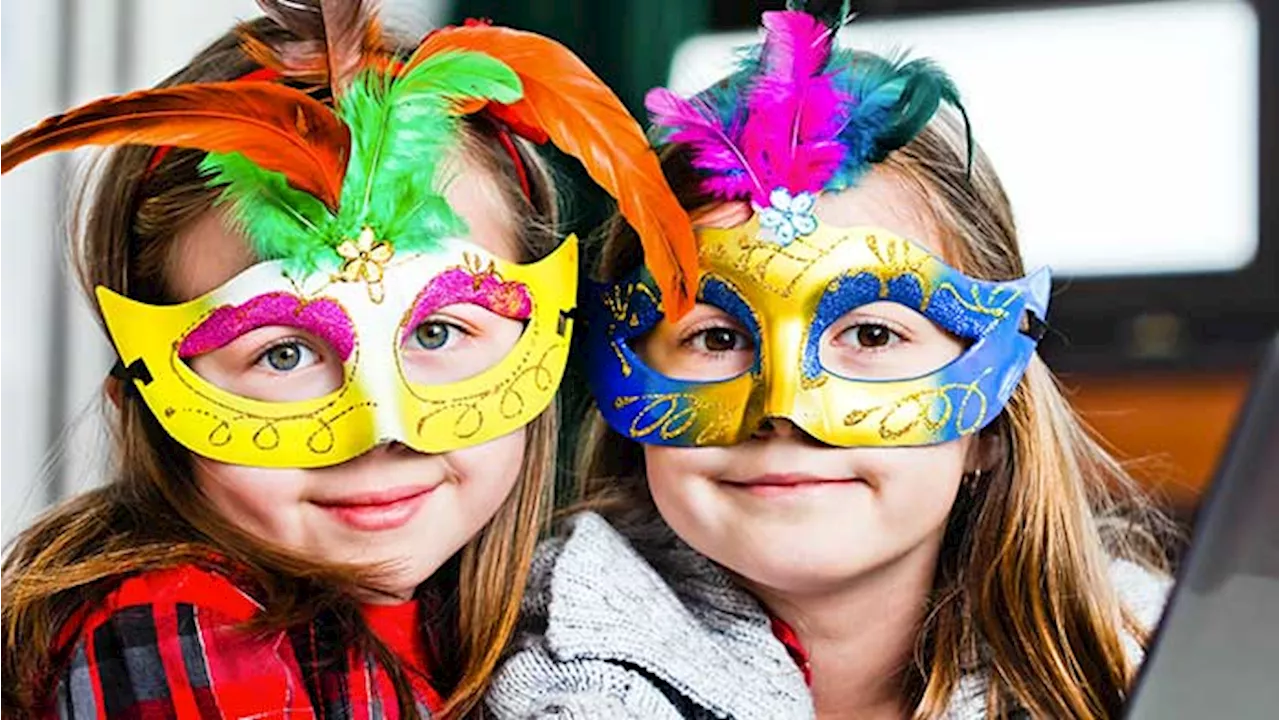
(510, 299)
(323, 318)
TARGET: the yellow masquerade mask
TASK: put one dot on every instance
(366, 313)
(337, 179)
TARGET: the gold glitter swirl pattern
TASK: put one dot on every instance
(677, 412)
(933, 407)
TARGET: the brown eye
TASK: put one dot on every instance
(874, 335)
(868, 336)
(720, 339)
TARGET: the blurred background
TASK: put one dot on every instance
(1137, 141)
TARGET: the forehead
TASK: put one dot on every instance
(882, 199)
(211, 250)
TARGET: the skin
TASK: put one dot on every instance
(848, 562)
(300, 509)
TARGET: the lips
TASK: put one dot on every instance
(383, 510)
(787, 483)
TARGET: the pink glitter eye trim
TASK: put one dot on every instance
(323, 318)
(451, 287)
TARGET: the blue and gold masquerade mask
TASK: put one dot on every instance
(797, 120)
(787, 297)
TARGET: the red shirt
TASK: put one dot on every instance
(170, 644)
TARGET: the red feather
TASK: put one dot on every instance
(582, 116)
(276, 127)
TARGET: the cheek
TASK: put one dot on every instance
(917, 487)
(685, 497)
(267, 503)
(486, 474)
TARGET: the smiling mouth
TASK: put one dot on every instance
(384, 510)
(785, 484)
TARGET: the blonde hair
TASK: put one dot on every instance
(1022, 586)
(151, 514)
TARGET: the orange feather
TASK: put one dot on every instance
(278, 128)
(302, 60)
(585, 119)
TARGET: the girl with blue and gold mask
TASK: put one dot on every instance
(842, 483)
(330, 268)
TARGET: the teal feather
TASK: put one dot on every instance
(893, 101)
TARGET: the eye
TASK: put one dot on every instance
(868, 335)
(287, 356)
(433, 334)
(718, 340)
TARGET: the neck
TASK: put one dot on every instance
(860, 635)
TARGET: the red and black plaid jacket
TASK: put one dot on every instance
(168, 645)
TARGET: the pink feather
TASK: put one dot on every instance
(713, 148)
(794, 110)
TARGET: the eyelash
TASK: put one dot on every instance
(899, 333)
(447, 323)
(689, 336)
(261, 357)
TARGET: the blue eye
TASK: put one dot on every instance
(287, 356)
(432, 335)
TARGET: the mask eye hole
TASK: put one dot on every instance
(274, 347)
(707, 345)
(275, 363)
(456, 342)
(886, 341)
(463, 322)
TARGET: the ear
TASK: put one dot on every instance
(113, 388)
(988, 450)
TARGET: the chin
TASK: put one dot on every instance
(795, 568)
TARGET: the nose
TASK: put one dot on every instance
(775, 427)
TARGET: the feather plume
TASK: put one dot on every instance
(802, 114)
(301, 60)
(276, 127)
(303, 20)
(352, 34)
(402, 129)
(586, 120)
(893, 100)
(333, 41)
(794, 109)
(696, 124)
(280, 221)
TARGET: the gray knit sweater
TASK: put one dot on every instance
(611, 630)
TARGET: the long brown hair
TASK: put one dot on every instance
(152, 515)
(1021, 587)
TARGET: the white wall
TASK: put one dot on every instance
(53, 357)
(28, 91)
(1125, 134)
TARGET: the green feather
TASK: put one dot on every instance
(280, 221)
(402, 131)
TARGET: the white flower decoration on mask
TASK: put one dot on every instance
(787, 217)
